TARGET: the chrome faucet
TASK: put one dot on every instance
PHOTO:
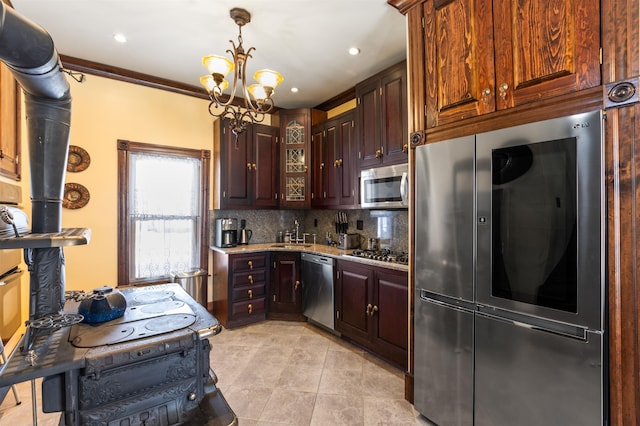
(297, 224)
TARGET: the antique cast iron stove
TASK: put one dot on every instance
(148, 366)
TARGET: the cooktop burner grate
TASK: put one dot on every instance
(384, 255)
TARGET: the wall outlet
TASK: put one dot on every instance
(315, 223)
(359, 225)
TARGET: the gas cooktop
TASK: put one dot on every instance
(384, 255)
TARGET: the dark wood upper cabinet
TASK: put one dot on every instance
(382, 118)
(249, 165)
(295, 165)
(481, 56)
(334, 158)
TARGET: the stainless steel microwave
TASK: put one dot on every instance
(385, 187)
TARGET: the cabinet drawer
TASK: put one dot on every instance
(243, 279)
(248, 293)
(248, 307)
(248, 262)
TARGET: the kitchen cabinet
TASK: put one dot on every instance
(481, 56)
(295, 179)
(249, 167)
(285, 294)
(382, 118)
(333, 172)
(239, 288)
(372, 308)
(9, 125)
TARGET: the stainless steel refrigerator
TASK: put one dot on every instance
(509, 317)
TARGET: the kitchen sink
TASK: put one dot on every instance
(290, 245)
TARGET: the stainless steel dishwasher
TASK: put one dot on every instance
(317, 282)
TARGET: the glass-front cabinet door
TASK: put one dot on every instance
(295, 157)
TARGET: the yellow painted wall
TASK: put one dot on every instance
(103, 111)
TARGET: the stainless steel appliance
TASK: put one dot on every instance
(384, 187)
(317, 282)
(509, 318)
(348, 241)
(226, 232)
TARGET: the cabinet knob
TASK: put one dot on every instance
(250, 308)
(254, 166)
(250, 263)
(340, 162)
(250, 278)
(297, 284)
(405, 148)
(378, 153)
(502, 89)
(321, 166)
(249, 166)
(368, 310)
(485, 95)
(374, 309)
(250, 293)
(335, 163)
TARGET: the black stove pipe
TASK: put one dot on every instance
(29, 52)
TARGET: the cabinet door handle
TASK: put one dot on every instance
(255, 166)
(250, 263)
(321, 166)
(250, 293)
(340, 162)
(378, 153)
(297, 284)
(250, 278)
(250, 308)
(374, 310)
(503, 90)
(485, 95)
(368, 311)
(405, 148)
(249, 166)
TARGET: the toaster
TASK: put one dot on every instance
(348, 241)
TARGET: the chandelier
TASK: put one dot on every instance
(257, 97)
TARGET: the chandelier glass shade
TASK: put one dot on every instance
(257, 97)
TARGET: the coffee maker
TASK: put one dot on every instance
(226, 232)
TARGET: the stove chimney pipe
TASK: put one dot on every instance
(29, 52)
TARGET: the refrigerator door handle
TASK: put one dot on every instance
(438, 299)
(566, 330)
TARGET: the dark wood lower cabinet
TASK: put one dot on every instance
(239, 288)
(372, 309)
(285, 295)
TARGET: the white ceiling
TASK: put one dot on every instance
(305, 40)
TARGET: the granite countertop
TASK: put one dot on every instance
(308, 248)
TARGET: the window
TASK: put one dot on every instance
(163, 211)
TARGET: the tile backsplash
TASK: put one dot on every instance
(390, 226)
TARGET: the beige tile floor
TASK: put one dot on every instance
(276, 372)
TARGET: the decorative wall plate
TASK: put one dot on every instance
(78, 159)
(75, 196)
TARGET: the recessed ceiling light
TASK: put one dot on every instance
(294, 89)
(120, 38)
(354, 51)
